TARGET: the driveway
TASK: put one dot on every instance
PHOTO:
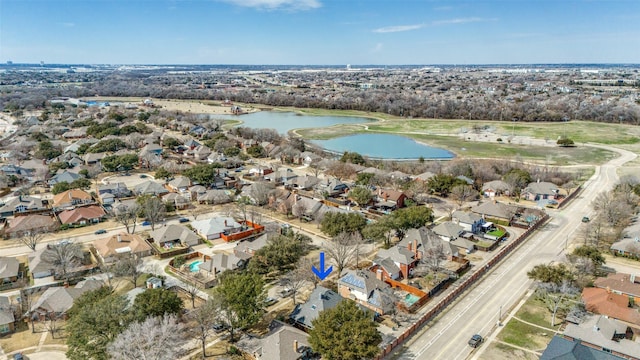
(47, 355)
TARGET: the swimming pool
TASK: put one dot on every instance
(193, 267)
(411, 299)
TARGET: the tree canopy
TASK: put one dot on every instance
(280, 253)
(345, 332)
(239, 299)
(119, 162)
(204, 174)
(550, 273)
(156, 303)
(334, 223)
(361, 195)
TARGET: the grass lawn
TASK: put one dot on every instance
(535, 312)
(526, 336)
(497, 233)
(498, 351)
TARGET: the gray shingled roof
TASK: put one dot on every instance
(320, 299)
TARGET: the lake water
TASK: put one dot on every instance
(285, 121)
(384, 146)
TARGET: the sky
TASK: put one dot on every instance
(320, 32)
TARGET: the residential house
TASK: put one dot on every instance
(18, 171)
(154, 149)
(495, 211)
(77, 133)
(221, 262)
(321, 299)
(620, 283)
(495, 188)
(561, 348)
(178, 201)
(281, 176)
(426, 243)
(306, 182)
(214, 197)
(118, 189)
(150, 187)
(615, 306)
(65, 176)
(58, 300)
(396, 262)
(7, 318)
(21, 225)
(367, 290)
(201, 152)
(213, 228)
(607, 336)
(540, 190)
(70, 198)
(469, 221)
(448, 231)
(627, 247)
(9, 269)
(93, 158)
(110, 248)
(84, 215)
(21, 204)
(389, 200)
(283, 342)
(260, 170)
(191, 144)
(171, 235)
(308, 157)
(197, 190)
(331, 187)
(252, 245)
(38, 266)
(179, 184)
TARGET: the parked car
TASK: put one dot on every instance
(101, 231)
(475, 341)
(219, 327)
(143, 176)
(146, 223)
(286, 292)
(585, 219)
(270, 301)
(183, 220)
(18, 356)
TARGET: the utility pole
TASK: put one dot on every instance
(500, 316)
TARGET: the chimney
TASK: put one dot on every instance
(295, 346)
(119, 238)
(415, 247)
(225, 222)
(608, 290)
(379, 274)
(632, 278)
(409, 246)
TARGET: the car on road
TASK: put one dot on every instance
(143, 176)
(183, 220)
(219, 327)
(146, 223)
(18, 356)
(101, 231)
(475, 341)
(585, 219)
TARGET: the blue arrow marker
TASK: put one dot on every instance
(322, 273)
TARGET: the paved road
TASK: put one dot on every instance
(477, 310)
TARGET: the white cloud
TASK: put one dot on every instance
(277, 4)
(399, 28)
(461, 21)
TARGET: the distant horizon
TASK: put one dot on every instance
(456, 32)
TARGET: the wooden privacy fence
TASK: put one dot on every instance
(442, 304)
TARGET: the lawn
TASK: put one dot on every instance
(526, 336)
(498, 233)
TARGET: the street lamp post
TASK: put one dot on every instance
(500, 316)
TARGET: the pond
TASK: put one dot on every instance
(385, 146)
(285, 121)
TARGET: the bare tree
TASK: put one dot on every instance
(192, 288)
(157, 338)
(435, 255)
(304, 266)
(64, 257)
(554, 296)
(204, 318)
(154, 210)
(32, 238)
(463, 193)
(259, 192)
(341, 249)
(128, 266)
(127, 216)
(299, 209)
(242, 205)
(295, 280)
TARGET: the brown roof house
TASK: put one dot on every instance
(390, 199)
(605, 302)
(22, 224)
(40, 268)
(58, 300)
(619, 283)
(540, 190)
(110, 248)
(602, 333)
(71, 198)
(82, 216)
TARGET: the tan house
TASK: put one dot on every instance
(108, 249)
(82, 215)
(22, 224)
(71, 198)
